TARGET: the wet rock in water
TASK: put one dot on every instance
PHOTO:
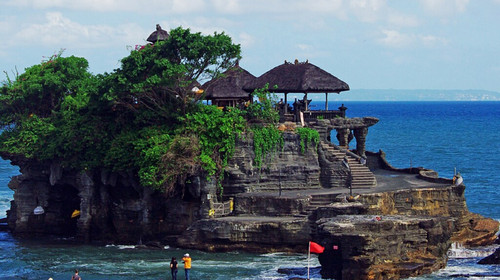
(299, 273)
(491, 259)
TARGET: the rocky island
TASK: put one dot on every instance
(137, 156)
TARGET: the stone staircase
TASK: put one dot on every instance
(361, 176)
(317, 200)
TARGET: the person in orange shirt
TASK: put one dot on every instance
(187, 264)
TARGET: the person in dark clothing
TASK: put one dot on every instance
(76, 276)
(173, 268)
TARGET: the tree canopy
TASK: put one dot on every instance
(158, 79)
(145, 117)
(128, 119)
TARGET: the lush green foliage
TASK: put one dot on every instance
(43, 88)
(265, 140)
(263, 111)
(47, 107)
(216, 131)
(156, 81)
(28, 138)
(266, 137)
(307, 135)
(129, 120)
(143, 118)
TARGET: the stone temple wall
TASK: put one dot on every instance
(287, 168)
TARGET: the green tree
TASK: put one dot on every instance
(143, 117)
(43, 87)
(44, 113)
(264, 110)
(159, 78)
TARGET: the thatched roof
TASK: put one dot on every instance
(158, 35)
(229, 84)
(298, 77)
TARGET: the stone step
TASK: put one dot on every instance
(363, 180)
(360, 177)
(368, 183)
(362, 183)
(362, 187)
(363, 176)
(358, 167)
(362, 173)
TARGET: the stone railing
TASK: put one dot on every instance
(323, 114)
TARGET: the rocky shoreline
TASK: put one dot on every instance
(398, 224)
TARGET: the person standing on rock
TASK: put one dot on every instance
(187, 264)
(173, 268)
(76, 276)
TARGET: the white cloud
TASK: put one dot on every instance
(401, 20)
(368, 10)
(444, 8)
(371, 11)
(246, 40)
(432, 41)
(396, 39)
(304, 47)
(228, 6)
(151, 6)
(289, 8)
(6, 26)
(319, 6)
(59, 31)
(187, 6)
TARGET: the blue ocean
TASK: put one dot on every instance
(445, 136)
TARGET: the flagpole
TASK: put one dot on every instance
(308, 258)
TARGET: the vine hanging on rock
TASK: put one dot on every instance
(307, 135)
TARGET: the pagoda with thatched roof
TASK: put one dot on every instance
(158, 35)
(298, 77)
(227, 90)
(301, 77)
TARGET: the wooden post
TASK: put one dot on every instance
(326, 101)
(286, 103)
(305, 99)
(308, 258)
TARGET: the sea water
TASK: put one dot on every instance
(448, 137)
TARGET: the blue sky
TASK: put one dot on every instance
(370, 44)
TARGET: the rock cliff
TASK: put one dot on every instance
(115, 207)
(401, 227)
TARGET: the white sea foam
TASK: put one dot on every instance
(121, 247)
(457, 251)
